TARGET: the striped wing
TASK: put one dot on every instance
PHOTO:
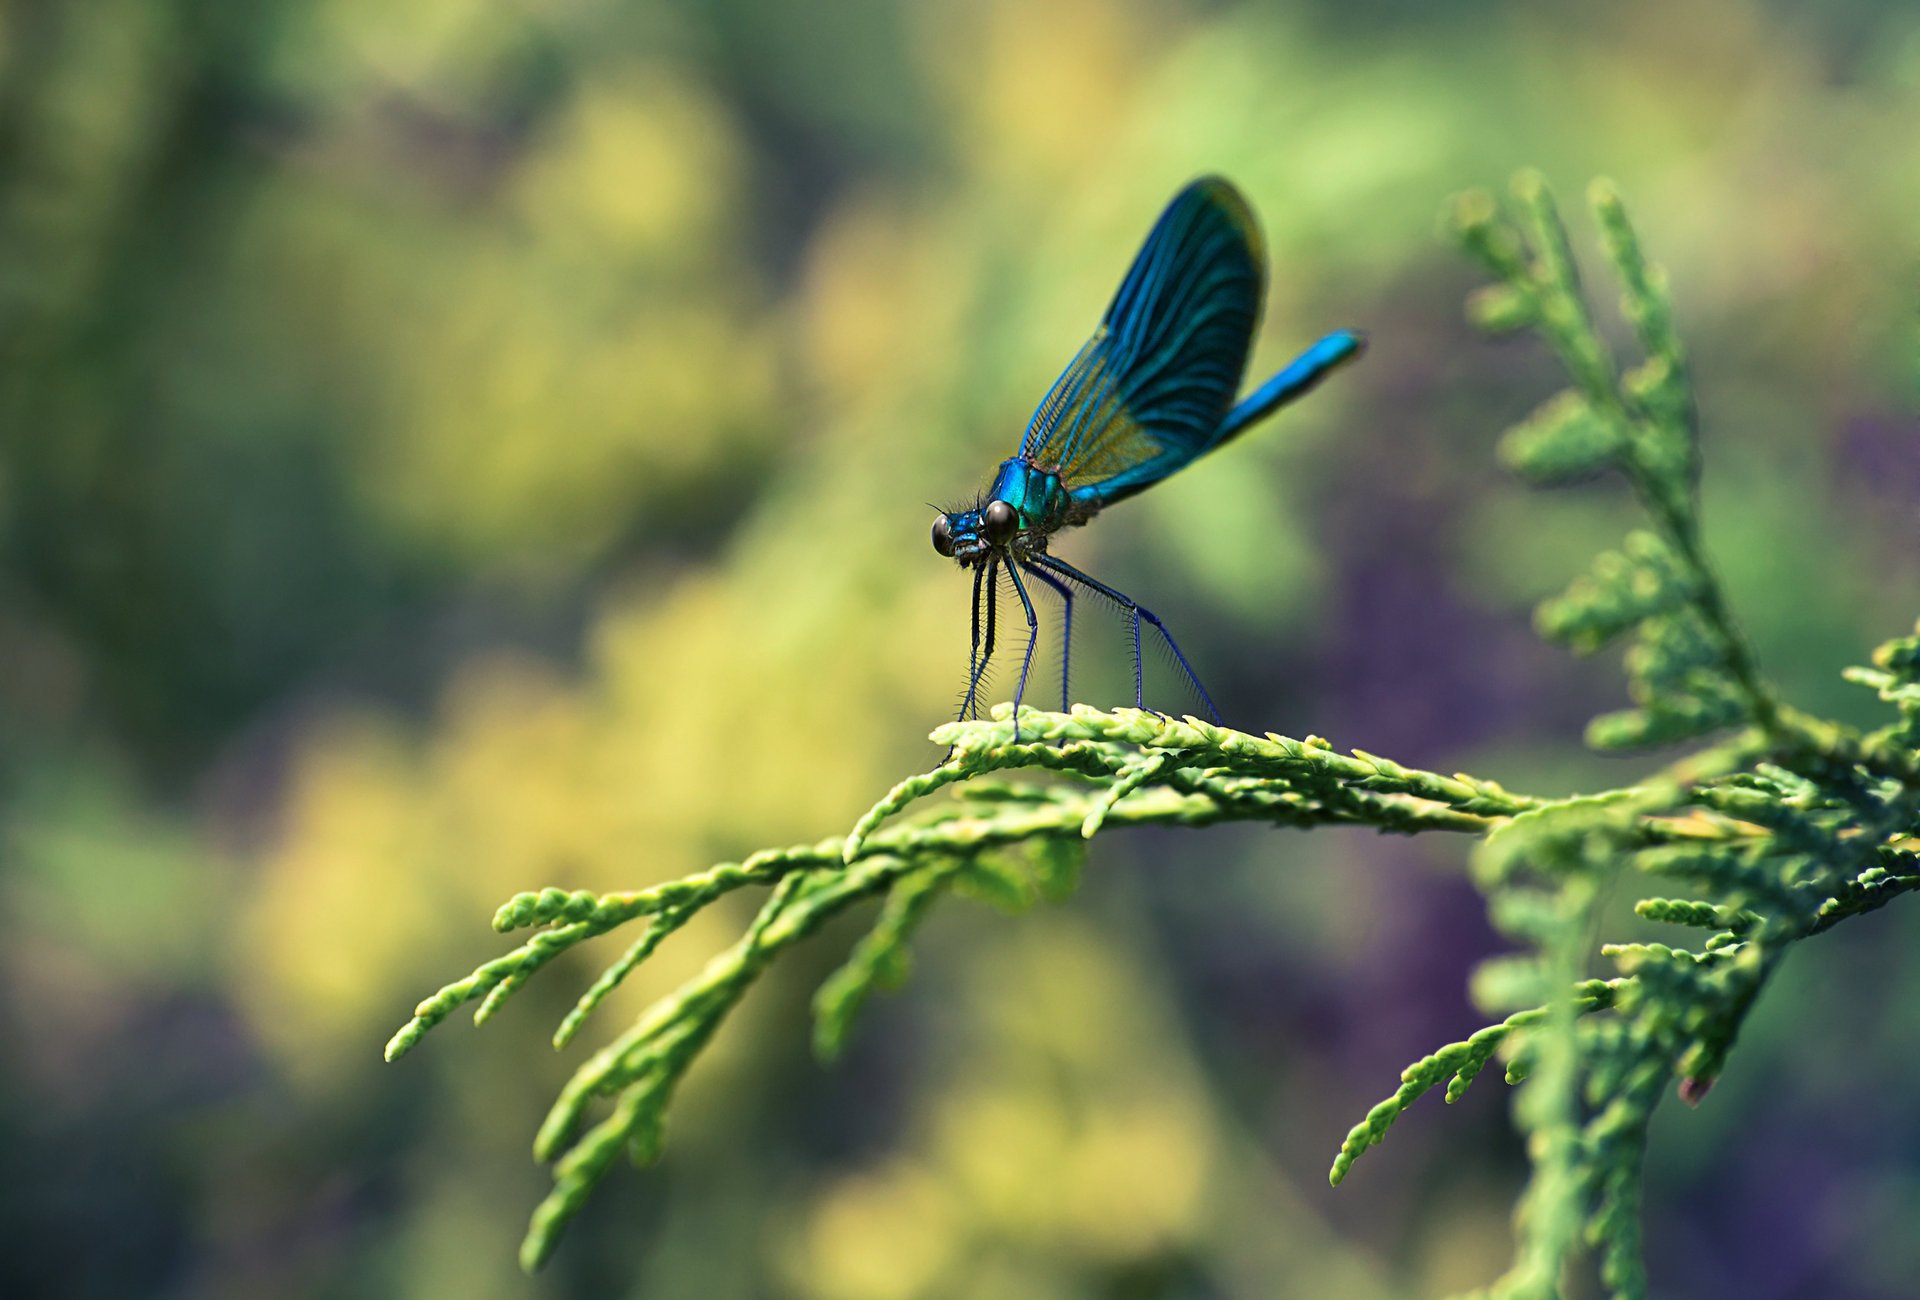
(1149, 390)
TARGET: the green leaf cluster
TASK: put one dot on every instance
(1787, 826)
(1008, 844)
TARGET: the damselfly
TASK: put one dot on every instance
(1151, 391)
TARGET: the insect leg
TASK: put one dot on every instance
(973, 651)
(1138, 613)
(1133, 610)
(984, 584)
(1033, 639)
(1066, 630)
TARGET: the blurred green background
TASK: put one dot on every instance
(455, 447)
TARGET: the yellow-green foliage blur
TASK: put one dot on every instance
(453, 448)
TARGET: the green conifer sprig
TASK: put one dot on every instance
(1008, 844)
(1777, 831)
(1791, 823)
(1690, 672)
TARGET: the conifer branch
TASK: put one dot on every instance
(1775, 828)
(1782, 830)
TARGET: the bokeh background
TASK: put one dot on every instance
(457, 447)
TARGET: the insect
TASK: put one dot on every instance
(1150, 392)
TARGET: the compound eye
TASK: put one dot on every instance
(1000, 523)
(943, 536)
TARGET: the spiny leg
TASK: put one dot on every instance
(1139, 668)
(982, 653)
(1138, 612)
(973, 652)
(1066, 630)
(1133, 611)
(1033, 639)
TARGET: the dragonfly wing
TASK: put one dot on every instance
(1149, 390)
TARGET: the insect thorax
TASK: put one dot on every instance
(1037, 494)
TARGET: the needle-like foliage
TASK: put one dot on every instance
(1775, 828)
